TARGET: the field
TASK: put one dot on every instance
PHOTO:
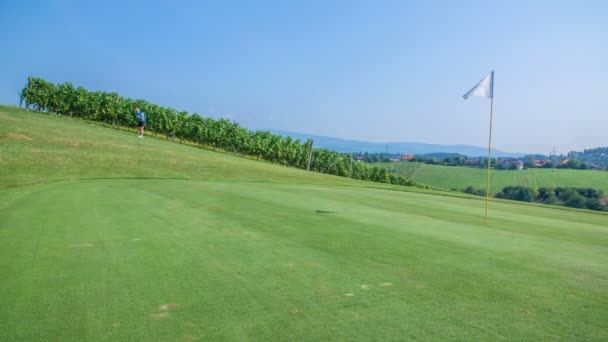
(451, 177)
(107, 237)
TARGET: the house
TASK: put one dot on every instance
(471, 162)
(520, 165)
(596, 167)
(407, 157)
(540, 163)
(508, 164)
(394, 160)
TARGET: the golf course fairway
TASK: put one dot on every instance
(106, 237)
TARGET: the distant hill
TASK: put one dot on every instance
(347, 146)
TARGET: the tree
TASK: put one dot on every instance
(182, 125)
(383, 176)
(27, 93)
(289, 152)
(595, 204)
(544, 193)
(530, 162)
(575, 200)
(548, 165)
(67, 98)
(551, 199)
(573, 164)
(517, 193)
(590, 192)
(197, 125)
(475, 191)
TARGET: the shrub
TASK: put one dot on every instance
(551, 199)
(595, 204)
(573, 199)
(546, 193)
(475, 191)
(590, 193)
(517, 193)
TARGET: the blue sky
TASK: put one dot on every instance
(368, 70)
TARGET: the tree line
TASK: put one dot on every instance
(113, 109)
(547, 163)
(595, 156)
(583, 198)
(502, 163)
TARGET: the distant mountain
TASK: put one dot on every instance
(348, 146)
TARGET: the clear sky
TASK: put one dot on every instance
(382, 71)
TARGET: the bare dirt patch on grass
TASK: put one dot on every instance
(160, 315)
(17, 136)
(167, 307)
(66, 142)
(250, 236)
(82, 245)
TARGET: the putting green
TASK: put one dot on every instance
(186, 259)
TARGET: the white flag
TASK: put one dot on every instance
(485, 87)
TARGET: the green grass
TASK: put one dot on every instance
(99, 230)
(40, 148)
(451, 177)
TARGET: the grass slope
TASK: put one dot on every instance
(232, 249)
(38, 147)
(450, 177)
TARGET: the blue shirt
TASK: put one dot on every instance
(141, 116)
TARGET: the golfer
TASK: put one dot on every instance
(141, 122)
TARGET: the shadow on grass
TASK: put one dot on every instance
(325, 212)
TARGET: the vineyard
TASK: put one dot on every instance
(112, 109)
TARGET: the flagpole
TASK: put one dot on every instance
(489, 158)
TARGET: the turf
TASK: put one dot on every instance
(189, 244)
(453, 177)
(38, 147)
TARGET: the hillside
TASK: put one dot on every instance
(458, 178)
(107, 237)
(354, 146)
(41, 148)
